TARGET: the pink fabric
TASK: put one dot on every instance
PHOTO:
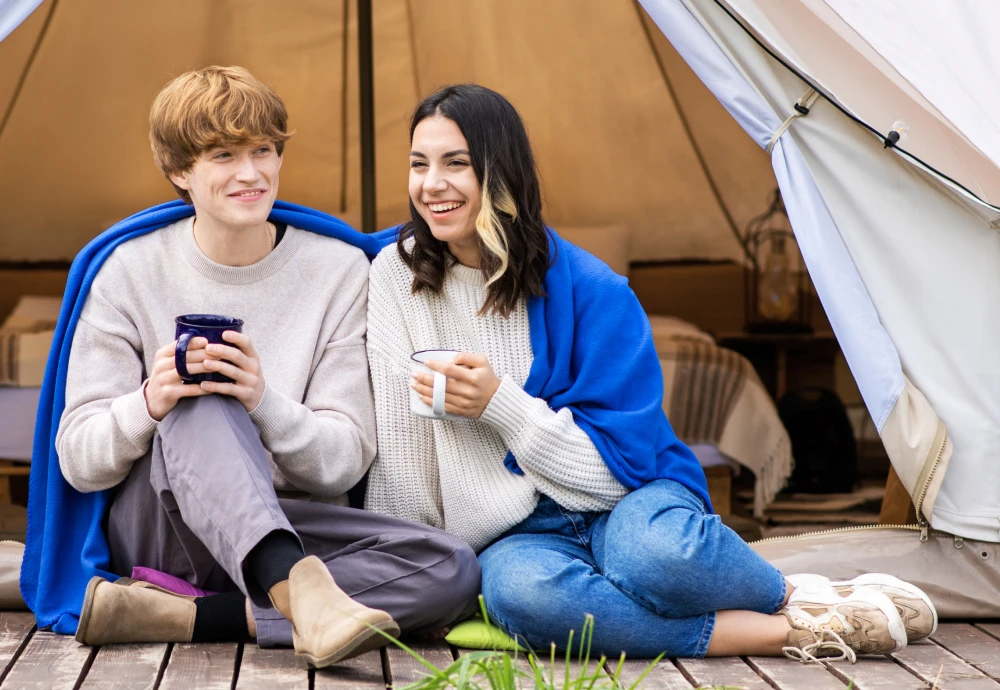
(168, 582)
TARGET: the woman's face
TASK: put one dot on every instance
(443, 185)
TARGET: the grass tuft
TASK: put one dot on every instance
(500, 670)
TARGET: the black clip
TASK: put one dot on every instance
(801, 108)
(891, 139)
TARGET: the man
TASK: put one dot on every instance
(240, 487)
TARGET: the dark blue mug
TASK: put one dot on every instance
(208, 326)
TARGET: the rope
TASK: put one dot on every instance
(801, 108)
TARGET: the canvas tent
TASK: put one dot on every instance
(900, 240)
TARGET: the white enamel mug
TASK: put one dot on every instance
(417, 406)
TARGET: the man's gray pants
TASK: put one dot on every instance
(203, 498)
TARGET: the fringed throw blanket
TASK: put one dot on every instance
(713, 395)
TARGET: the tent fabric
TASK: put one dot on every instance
(13, 12)
(852, 315)
(856, 68)
(632, 138)
(925, 257)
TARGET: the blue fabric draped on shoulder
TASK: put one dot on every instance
(66, 545)
(593, 353)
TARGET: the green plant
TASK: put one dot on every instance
(497, 670)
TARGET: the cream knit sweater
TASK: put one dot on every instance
(450, 474)
(304, 305)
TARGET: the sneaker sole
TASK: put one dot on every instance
(877, 599)
(370, 639)
(88, 606)
(881, 580)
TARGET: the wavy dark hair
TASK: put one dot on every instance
(513, 241)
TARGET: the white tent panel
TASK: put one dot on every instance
(906, 272)
(913, 34)
(13, 12)
(867, 348)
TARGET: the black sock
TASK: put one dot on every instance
(272, 559)
(220, 618)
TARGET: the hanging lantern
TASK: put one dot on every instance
(777, 290)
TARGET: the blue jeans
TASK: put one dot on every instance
(653, 572)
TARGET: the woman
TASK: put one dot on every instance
(558, 466)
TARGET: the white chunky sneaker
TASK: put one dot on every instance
(827, 624)
(913, 605)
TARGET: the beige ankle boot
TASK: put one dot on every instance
(327, 625)
(113, 614)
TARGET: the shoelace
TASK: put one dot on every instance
(825, 640)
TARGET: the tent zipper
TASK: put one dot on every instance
(844, 530)
(942, 438)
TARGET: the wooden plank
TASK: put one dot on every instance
(725, 671)
(49, 661)
(126, 666)
(360, 673)
(207, 666)
(991, 629)
(933, 662)
(665, 676)
(15, 627)
(270, 669)
(975, 646)
(876, 673)
(403, 669)
(788, 674)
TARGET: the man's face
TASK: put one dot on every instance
(234, 186)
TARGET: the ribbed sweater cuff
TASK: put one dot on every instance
(132, 416)
(509, 409)
(270, 411)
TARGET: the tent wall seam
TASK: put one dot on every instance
(832, 101)
(27, 67)
(687, 130)
(343, 110)
(413, 52)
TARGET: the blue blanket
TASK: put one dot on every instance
(593, 353)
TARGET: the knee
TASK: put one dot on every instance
(453, 579)
(640, 557)
(524, 598)
(203, 409)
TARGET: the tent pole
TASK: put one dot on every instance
(366, 88)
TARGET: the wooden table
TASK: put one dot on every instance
(778, 348)
(960, 655)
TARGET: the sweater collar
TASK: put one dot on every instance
(237, 275)
(466, 275)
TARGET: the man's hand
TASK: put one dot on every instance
(164, 386)
(242, 365)
(471, 384)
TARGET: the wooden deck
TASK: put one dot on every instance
(960, 656)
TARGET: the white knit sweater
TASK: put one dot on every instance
(450, 474)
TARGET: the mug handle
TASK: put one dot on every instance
(440, 383)
(180, 356)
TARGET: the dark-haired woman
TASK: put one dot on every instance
(557, 463)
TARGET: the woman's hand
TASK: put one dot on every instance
(470, 386)
(242, 365)
(164, 387)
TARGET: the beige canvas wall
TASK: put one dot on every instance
(624, 133)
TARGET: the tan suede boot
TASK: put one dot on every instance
(114, 614)
(327, 625)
